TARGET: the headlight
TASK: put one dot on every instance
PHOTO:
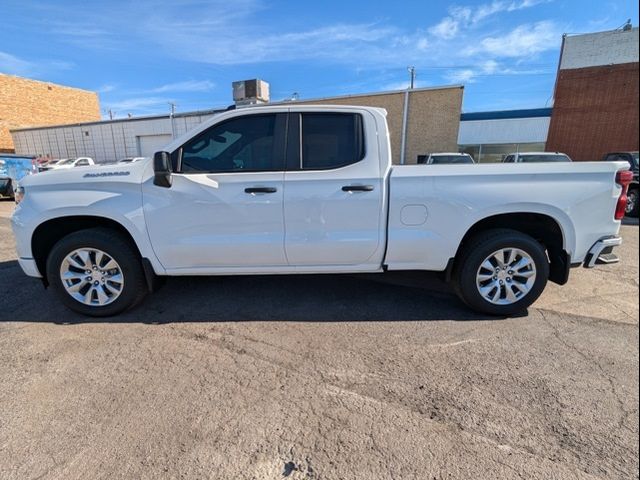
(19, 194)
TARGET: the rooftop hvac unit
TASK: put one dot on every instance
(250, 92)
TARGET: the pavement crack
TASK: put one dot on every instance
(624, 414)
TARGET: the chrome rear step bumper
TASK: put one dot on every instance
(602, 252)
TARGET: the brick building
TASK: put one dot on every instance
(27, 103)
(596, 106)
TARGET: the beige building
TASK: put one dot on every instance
(432, 114)
(28, 103)
(433, 118)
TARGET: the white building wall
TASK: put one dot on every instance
(511, 130)
(104, 142)
(597, 49)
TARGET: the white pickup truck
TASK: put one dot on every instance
(311, 189)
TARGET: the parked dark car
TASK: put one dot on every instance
(632, 195)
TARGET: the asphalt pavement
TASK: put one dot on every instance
(321, 377)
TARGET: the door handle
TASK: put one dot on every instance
(357, 188)
(260, 190)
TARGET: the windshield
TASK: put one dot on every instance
(67, 161)
(446, 159)
(544, 158)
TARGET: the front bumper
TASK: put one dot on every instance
(602, 252)
(29, 267)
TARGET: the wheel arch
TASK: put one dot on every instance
(544, 228)
(49, 232)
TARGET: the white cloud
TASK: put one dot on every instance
(106, 88)
(422, 44)
(139, 103)
(446, 29)
(498, 6)
(403, 85)
(14, 65)
(461, 76)
(186, 86)
(241, 43)
(523, 41)
(486, 69)
(461, 17)
(489, 67)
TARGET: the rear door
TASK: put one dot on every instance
(333, 192)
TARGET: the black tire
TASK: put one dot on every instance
(477, 249)
(120, 249)
(632, 203)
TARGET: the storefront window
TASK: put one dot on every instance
(497, 152)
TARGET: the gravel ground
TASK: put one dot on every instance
(321, 377)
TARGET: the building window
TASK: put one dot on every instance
(497, 152)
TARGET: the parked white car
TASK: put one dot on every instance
(131, 159)
(446, 159)
(536, 157)
(293, 189)
(73, 162)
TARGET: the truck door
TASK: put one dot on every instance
(224, 207)
(334, 192)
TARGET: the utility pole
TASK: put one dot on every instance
(110, 114)
(171, 115)
(412, 74)
(405, 115)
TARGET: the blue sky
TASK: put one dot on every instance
(143, 54)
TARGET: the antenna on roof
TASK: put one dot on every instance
(626, 26)
(412, 75)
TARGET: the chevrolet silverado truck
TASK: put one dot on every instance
(293, 189)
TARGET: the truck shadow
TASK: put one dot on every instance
(413, 296)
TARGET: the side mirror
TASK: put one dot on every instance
(162, 169)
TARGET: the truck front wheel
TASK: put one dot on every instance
(96, 272)
(501, 272)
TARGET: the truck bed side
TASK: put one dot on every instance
(431, 208)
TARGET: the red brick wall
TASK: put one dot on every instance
(30, 103)
(595, 111)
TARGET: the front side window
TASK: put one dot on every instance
(331, 140)
(240, 144)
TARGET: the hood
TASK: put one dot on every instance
(127, 173)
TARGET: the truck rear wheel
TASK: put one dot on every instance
(96, 272)
(501, 272)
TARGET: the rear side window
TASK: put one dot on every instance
(330, 140)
